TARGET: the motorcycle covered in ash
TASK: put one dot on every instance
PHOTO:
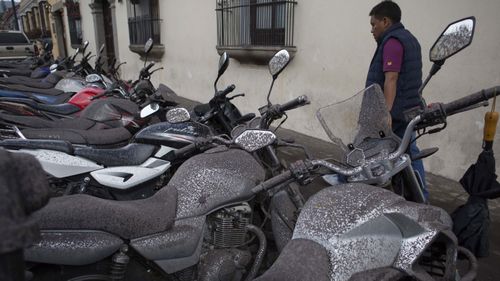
(356, 231)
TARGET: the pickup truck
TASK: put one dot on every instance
(14, 45)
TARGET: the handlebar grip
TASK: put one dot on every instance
(101, 95)
(226, 91)
(149, 66)
(455, 106)
(186, 150)
(272, 182)
(297, 102)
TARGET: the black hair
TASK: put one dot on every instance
(387, 9)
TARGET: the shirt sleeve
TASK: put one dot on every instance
(392, 55)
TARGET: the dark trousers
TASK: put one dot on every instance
(418, 165)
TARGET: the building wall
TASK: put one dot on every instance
(334, 49)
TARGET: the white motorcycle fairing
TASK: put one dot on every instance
(125, 177)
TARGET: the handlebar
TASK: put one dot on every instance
(273, 112)
(457, 105)
(106, 92)
(223, 93)
(192, 147)
(297, 102)
(272, 182)
(149, 66)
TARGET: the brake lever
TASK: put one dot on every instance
(150, 73)
(235, 96)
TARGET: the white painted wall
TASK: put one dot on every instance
(334, 50)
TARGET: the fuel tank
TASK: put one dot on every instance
(173, 135)
(363, 227)
(83, 97)
(216, 178)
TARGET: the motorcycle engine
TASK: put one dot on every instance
(227, 226)
(225, 258)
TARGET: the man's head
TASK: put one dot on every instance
(382, 16)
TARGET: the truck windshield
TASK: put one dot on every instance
(13, 38)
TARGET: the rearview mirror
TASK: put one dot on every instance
(278, 62)
(149, 109)
(178, 115)
(148, 45)
(454, 38)
(85, 45)
(223, 64)
(252, 140)
(53, 68)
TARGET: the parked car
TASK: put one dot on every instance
(15, 45)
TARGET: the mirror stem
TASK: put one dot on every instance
(269, 94)
(215, 84)
(435, 68)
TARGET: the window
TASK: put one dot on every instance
(144, 21)
(13, 38)
(247, 23)
(74, 22)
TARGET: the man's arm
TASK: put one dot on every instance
(390, 84)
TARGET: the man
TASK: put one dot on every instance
(397, 68)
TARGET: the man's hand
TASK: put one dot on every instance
(390, 85)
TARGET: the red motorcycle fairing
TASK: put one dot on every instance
(83, 98)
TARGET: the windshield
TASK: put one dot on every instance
(359, 125)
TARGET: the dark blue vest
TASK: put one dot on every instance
(410, 76)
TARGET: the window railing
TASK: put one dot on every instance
(143, 28)
(246, 23)
(75, 32)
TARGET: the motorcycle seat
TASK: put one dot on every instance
(126, 219)
(106, 138)
(301, 259)
(63, 108)
(16, 96)
(43, 83)
(22, 88)
(40, 122)
(56, 145)
(129, 155)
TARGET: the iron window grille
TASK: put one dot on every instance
(74, 22)
(247, 23)
(145, 22)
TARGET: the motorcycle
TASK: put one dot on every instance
(359, 230)
(120, 172)
(197, 225)
(107, 113)
(356, 231)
